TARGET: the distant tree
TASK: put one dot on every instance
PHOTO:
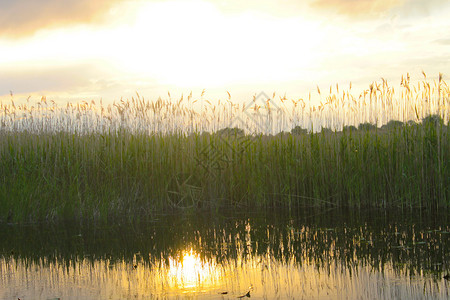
(297, 130)
(366, 126)
(326, 130)
(393, 124)
(282, 134)
(411, 123)
(231, 131)
(349, 128)
(432, 120)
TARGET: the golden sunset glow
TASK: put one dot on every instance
(206, 47)
(224, 149)
(189, 271)
(113, 49)
(263, 276)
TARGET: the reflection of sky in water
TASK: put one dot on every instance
(283, 258)
(190, 276)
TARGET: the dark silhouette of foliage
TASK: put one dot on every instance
(432, 120)
(297, 130)
(326, 130)
(366, 126)
(349, 128)
(231, 131)
(393, 124)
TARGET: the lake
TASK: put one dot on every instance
(270, 254)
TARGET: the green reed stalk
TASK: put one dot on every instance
(52, 175)
(136, 158)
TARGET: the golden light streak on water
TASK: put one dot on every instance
(190, 276)
(189, 273)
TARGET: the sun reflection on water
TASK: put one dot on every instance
(283, 262)
(189, 271)
(189, 276)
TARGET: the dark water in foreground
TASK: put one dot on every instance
(271, 255)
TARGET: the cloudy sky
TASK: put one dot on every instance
(103, 49)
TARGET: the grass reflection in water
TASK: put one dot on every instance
(376, 256)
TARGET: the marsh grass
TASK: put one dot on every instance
(134, 158)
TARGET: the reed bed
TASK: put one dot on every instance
(137, 157)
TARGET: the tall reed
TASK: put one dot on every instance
(138, 157)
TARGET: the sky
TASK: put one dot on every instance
(74, 50)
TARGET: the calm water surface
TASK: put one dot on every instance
(305, 254)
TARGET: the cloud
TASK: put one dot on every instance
(421, 8)
(442, 42)
(379, 8)
(71, 78)
(20, 18)
(60, 78)
(274, 7)
(83, 81)
(357, 8)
